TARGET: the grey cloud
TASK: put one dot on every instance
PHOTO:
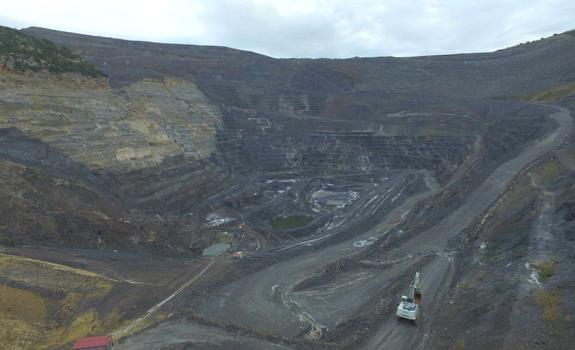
(379, 28)
(337, 28)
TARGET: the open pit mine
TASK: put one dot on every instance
(161, 196)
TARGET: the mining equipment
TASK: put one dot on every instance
(408, 307)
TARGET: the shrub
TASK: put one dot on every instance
(545, 268)
(24, 53)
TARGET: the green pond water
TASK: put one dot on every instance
(292, 221)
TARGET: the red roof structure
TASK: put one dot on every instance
(101, 342)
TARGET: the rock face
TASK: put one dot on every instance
(176, 123)
(134, 128)
(112, 133)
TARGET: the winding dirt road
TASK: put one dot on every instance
(435, 278)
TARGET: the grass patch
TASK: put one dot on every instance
(545, 268)
(22, 314)
(51, 306)
(557, 321)
(547, 172)
(45, 274)
(7, 241)
(21, 304)
(550, 301)
(87, 323)
(152, 236)
(474, 281)
(223, 237)
(289, 222)
(555, 94)
(459, 345)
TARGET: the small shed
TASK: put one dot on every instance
(94, 343)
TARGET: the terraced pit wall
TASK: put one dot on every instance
(173, 125)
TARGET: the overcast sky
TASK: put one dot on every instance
(307, 28)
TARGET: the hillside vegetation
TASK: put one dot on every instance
(557, 94)
(21, 52)
(44, 305)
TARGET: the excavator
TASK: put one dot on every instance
(408, 307)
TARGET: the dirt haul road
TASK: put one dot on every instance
(437, 276)
(262, 300)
